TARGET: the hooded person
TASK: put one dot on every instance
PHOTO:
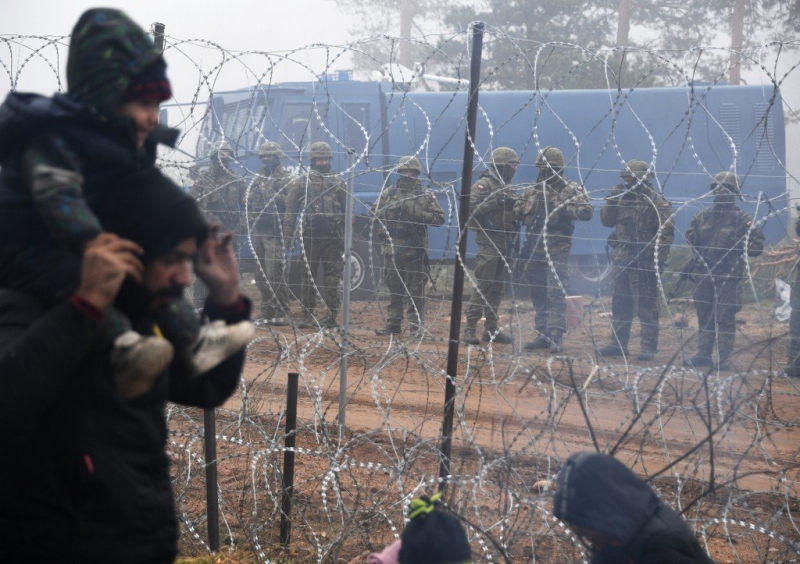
(90, 476)
(433, 536)
(62, 156)
(620, 516)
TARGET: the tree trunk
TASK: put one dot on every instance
(624, 22)
(405, 55)
(737, 40)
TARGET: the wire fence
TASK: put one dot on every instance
(719, 443)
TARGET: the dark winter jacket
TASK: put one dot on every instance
(86, 474)
(78, 132)
(596, 491)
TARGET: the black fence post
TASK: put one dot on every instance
(458, 278)
(212, 495)
(288, 458)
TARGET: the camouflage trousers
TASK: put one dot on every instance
(549, 300)
(716, 299)
(325, 253)
(406, 278)
(270, 276)
(794, 321)
(635, 293)
(491, 277)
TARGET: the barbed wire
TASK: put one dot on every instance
(719, 444)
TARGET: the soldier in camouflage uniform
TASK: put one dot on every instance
(267, 208)
(641, 218)
(721, 238)
(315, 206)
(220, 191)
(793, 364)
(405, 210)
(549, 209)
(492, 207)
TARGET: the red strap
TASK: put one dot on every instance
(87, 308)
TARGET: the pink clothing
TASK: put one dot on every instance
(390, 555)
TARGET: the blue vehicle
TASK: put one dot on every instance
(688, 133)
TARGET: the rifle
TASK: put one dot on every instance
(686, 274)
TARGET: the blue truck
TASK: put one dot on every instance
(689, 133)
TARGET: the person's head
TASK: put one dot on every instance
(320, 155)
(409, 167)
(221, 156)
(603, 501)
(726, 188)
(156, 213)
(433, 536)
(270, 154)
(550, 162)
(636, 173)
(504, 162)
(114, 67)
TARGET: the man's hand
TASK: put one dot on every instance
(216, 266)
(107, 260)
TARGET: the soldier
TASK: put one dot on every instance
(315, 204)
(405, 210)
(793, 365)
(641, 218)
(220, 191)
(267, 207)
(721, 238)
(492, 204)
(549, 209)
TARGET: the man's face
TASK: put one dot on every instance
(270, 162)
(723, 194)
(169, 275)
(321, 163)
(144, 114)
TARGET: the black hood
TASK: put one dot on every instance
(598, 492)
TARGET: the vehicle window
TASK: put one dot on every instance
(357, 118)
(300, 125)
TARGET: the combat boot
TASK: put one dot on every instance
(556, 342)
(540, 342)
(470, 336)
(307, 322)
(612, 351)
(699, 361)
(500, 337)
(646, 354)
(329, 321)
(415, 331)
(388, 330)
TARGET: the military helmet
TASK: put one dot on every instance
(220, 146)
(504, 156)
(270, 149)
(550, 156)
(320, 150)
(727, 179)
(409, 163)
(639, 170)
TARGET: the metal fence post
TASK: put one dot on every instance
(458, 278)
(288, 458)
(158, 35)
(212, 495)
(348, 243)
